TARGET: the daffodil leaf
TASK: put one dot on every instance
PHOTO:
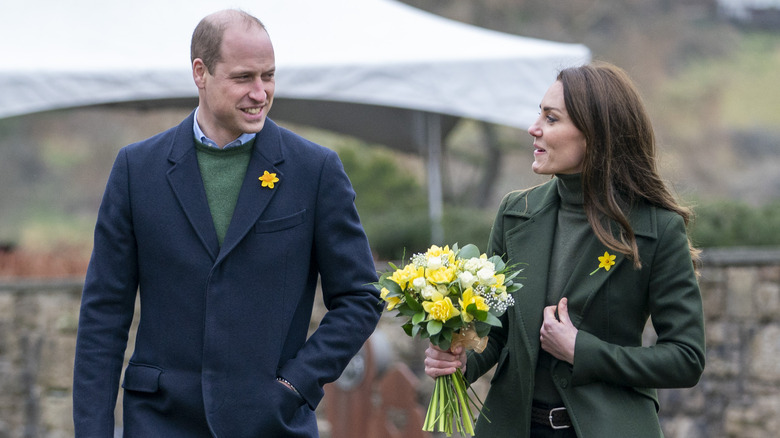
(413, 304)
(434, 327)
(442, 339)
(469, 251)
(408, 328)
(404, 310)
(479, 314)
(454, 323)
(481, 328)
(394, 290)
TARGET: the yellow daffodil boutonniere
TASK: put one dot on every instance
(268, 179)
(606, 261)
(452, 297)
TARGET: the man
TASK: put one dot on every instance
(223, 225)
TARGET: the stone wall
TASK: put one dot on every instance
(738, 396)
(739, 393)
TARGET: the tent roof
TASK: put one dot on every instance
(382, 55)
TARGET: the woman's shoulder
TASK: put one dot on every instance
(524, 200)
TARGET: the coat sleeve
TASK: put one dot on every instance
(347, 271)
(107, 306)
(675, 307)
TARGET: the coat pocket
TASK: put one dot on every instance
(283, 223)
(142, 378)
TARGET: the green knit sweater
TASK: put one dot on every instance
(571, 233)
(223, 172)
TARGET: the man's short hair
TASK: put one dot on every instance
(207, 37)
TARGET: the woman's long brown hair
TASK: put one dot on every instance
(620, 158)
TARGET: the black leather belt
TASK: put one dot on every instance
(556, 418)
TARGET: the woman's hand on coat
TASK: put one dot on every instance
(440, 362)
(558, 334)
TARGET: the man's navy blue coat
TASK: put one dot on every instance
(219, 324)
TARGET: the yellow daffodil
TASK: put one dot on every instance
(268, 179)
(469, 297)
(391, 301)
(434, 256)
(606, 261)
(440, 308)
(441, 275)
(406, 275)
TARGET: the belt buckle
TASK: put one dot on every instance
(552, 423)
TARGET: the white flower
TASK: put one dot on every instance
(428, 291)
(472, 265)
(419, 283)
(434, 263)
(467, 279)
(485, 276)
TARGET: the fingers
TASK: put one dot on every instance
(563, 311)
(440, 362)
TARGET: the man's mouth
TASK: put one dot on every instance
(252, 111)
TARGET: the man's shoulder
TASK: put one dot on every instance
(162, 142)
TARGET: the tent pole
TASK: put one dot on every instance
(435, 192)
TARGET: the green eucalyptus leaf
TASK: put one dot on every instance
(434, 327)
(469, 251)
(492, 320)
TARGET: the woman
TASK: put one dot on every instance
(605, 247)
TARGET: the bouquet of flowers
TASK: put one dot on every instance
(452, 297)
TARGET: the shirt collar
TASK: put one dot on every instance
(200, 136)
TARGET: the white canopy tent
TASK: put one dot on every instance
(377, 69)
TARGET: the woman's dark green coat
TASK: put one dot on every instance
(610, 389)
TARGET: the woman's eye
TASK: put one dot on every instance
(551, 119)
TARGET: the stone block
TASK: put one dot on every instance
(714, 300)
(56, 367)
(683, 427)
(770, 273)
(722, 362)
(768, 301)
(721, 333)
(753, 420)
(57, 414)
(764, 354)
(742, 284)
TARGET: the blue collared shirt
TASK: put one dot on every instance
(242, 139)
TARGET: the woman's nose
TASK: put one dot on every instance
(534, 130)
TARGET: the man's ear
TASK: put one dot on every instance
(199, 72)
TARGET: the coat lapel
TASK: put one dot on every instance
(253, 197)
(582, 287)
(187, 185)
(531, 243)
